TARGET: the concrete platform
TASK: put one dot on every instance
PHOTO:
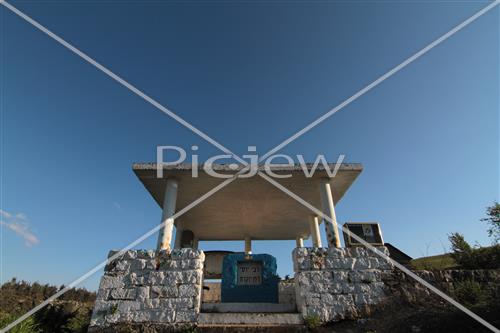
(249, 319)
(248, 308)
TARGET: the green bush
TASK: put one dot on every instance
(27, 326)
(468, 257)
(80, 322)
(470, 293)
(312, 322)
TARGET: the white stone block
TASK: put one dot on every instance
(102, 294)
(156, 278)
(139, 278)
(362, 263)
(382, 249)
(169, 265)
(334, 252)
(188, 290)
(162, 316)
(164, 291)
(340, 263)
(128, 306)
(186, 316)
(122, 293)
(145, 254)
(110, 282)
(142, 293)
(313, 299)
(121, 265)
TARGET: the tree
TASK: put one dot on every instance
(468, 257)
(493, 220)
(462, 251)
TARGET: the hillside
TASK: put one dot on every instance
(70, 313)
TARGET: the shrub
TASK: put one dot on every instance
(312, 322)
(80, 322)
(470, 293)
(27, 326)
(468, 257)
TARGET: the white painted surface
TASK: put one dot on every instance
(315, 233)
(169, 203)
(332, 234)
(246, 207)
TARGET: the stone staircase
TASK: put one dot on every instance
(250, 322)
(248, 308)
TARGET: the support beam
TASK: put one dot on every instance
(315, 234)
(332, 234)
(300, 242)
(165, 235)
(178, 236)
(248, 246)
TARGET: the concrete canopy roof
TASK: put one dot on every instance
(247, 207)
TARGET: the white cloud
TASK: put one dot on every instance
(5, 215)
(19, 224)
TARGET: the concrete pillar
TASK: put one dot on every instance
(315, 234)
(300, 242)
(165, 235)
(332, 233)
(178, 236)
(248, 246)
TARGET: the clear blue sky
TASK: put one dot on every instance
(246, 74)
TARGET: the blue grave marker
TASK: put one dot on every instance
(251, 279)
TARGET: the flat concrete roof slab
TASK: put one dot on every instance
(247, 207)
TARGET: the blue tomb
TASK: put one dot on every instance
(250, 279)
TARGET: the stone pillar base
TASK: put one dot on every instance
(338, 283)
(143, 286)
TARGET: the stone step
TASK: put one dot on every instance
(248, 307)
(252, 329)
(249, 319)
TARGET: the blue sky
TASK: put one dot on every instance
(246, 74)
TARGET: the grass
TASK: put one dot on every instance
(439, 262)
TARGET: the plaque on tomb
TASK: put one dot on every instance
(369, 232)
(250, 279)
(249, 273)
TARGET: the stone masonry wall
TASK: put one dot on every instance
(143, 286)
(338, 283)
(401, 285)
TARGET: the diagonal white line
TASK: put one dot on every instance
(384, 256)
(227, 151)
(121, 252)
(120, 80)
(382, 78)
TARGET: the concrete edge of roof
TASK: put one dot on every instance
(226, 167)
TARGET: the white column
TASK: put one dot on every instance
(178, 236)
(315, 234)
(300, 242)
(169, 202)
(248, 246)
(332, 234)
